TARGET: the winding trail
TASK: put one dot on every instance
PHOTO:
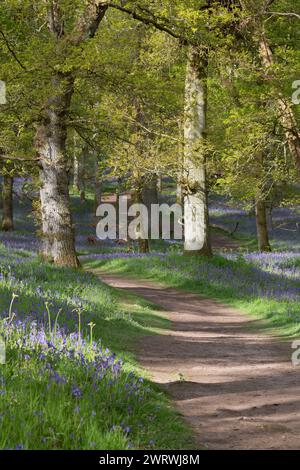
(234, 384)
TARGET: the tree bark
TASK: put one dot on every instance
(143, 245)
(76, 174)
(82, 174)
(79, 166)
(262, 226)
(1, 193)
(7, 198)
(138, 198)
(50, 143)
(149, 196)
(179, 194)
(150, 192)
(196, 217)
(97, 184)
(159, 184)
(76, 169)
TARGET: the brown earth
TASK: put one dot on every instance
(233, 383)
(224, 242)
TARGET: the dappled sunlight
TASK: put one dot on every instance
(231, 380)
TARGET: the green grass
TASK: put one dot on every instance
(222, 279)
(39, 412)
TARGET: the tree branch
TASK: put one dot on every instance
(10, 49)
(290, 14)
(153, 132)
(56, 23)
(88, 24)
(19, 159)
(153, 21)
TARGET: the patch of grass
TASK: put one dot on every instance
(66, 390)
(269, 290)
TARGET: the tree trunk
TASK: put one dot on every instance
(196, 218)
(118, 193)
(76, 169)
(76, 184)
(79, 173)
(149, 196)
(150, 192)
(144, 246)
(262, 226)
(82, 172)
(179, 194)
(97, 184)
(51, 135)
(159, 184)
(285, 111)
(7, 198)
(180, 175)
(1, 193)
(98, 192)
(50, 142)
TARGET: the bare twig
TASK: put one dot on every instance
(151, 131)
(10, 49)
(288, 14)
(151, 21)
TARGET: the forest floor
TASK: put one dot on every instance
(233, 382)
(231, 379)
(224, 242)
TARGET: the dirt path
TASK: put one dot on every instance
(224, 242)
(234, 385)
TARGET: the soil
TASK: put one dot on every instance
(233, 382)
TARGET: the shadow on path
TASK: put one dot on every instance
(234, 385)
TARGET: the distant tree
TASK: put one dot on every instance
(7, 202)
